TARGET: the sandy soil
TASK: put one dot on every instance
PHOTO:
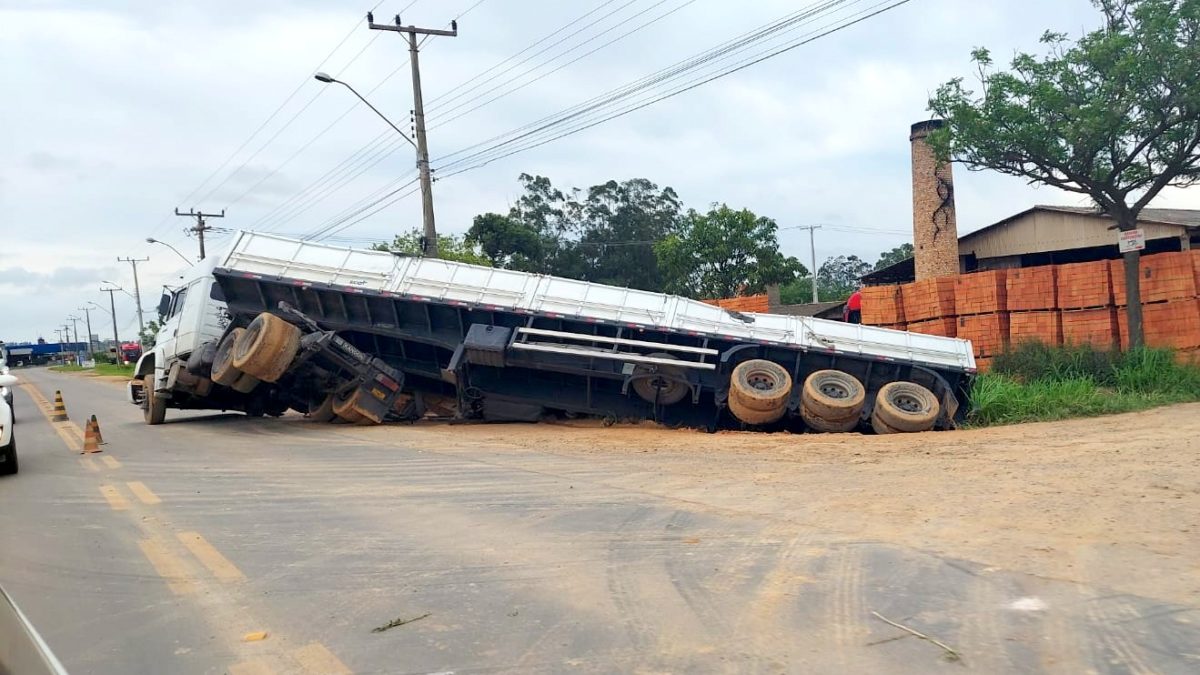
(1113, 501)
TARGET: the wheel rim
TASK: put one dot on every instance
(908, 403)
(761, 380)
(835, 390)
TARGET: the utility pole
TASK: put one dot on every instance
(199, 228)
(113, 305)
(74, 326)
(137, 291)
(87, 313)
(812, 245)
(431, 243)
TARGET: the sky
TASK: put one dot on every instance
(118, 112)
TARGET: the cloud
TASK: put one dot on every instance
(19, 280)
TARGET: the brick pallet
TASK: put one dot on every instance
(1084, 285)
(749, 303)
(1032, 288)
(1174, 324)
(943, 326)
(1094, 327)
(1041, 326)
(1161, 277)
(988, 333)
(981, 292)
(928, 299)
(882, 306)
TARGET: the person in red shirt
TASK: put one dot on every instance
(853, 311)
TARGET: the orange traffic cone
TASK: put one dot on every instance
(60, 410)
(89, 439)
(96, 428)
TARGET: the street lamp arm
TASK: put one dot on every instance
(152, 240)
(325, 78)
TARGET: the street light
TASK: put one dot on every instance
(116, 288)
(152, 240)
(430, 247)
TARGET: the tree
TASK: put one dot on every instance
(148, 335)
(1114, 116)
(839, 277)
(724, 253)
(450, 247)
(899, 254)
(506, 241)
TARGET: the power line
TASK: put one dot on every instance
(568, 63)
(374, 197)
(497, 151)
(265, 122)
(341, 227)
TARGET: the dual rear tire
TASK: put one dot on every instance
(904, 407)
(758, 391)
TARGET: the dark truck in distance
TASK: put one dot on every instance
(366, 336)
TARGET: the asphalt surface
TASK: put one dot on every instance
(169, 550)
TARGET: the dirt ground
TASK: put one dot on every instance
(1112, 501)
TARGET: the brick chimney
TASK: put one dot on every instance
(935, 233)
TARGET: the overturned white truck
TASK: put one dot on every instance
(367, 336)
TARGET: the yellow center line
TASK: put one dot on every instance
(255, 667)
(114, 497)
(111, 462)
(210, 557)
(168, 566)
(139, 489)
(316, 658)
(67, 431)
(88, 464)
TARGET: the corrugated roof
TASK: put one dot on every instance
(1184, 217)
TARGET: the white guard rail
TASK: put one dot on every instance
(273, 256)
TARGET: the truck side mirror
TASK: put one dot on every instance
(164, 305)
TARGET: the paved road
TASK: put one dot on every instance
(169, 550)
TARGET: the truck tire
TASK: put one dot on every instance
(832, 401)
(760, 385)
(348, 408)
(267, 347)
(751, 416)
(882, 428)
(667, 390)
(906, 407)
(322, 412)
(8, 465)
(245, 383)
(154, 407)
(223, 370)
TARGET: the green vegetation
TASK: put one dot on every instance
(1040, 383)
(100, 369)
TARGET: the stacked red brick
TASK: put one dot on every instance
(981, 300)
(1169, 285)
(929, 306)
(1085, 297)
(1033, 305)
(882, 306)
(748, 303)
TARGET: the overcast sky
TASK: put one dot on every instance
(116, 112)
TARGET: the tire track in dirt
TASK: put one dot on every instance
(622, 590)
(847, 610)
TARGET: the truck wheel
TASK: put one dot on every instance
(245, 383)
(906, 407)
(667, 390)
(760, 385)
(751, 416)
(8, 465)
(348, 408)
(322, 412)
(267, 347)
(154, 407)
(223, 370)
(832, 401)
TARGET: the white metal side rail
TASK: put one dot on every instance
(572, 347)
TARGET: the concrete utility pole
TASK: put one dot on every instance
(431, 244)
(199, 228)
(74, 327)
(113, 311)
(137, 291)
(812, 245)
(87, 313)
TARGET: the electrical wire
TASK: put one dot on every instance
(499, 151)
(342, 226)
(362, 204)
(568, 63)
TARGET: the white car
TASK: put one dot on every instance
(8, 442)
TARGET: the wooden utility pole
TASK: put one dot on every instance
(137, 291)
(199, 228)
(431, 243)
(113, 311)
(87, 313)
(812, 245)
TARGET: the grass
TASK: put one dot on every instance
(100, 369)
(1039, 383)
